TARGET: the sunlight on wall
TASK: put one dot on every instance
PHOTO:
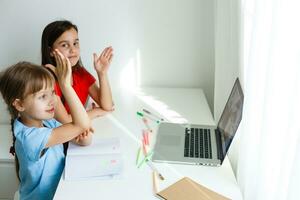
(130, 78)
(138, 68)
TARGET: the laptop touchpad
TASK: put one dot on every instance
(170, 140)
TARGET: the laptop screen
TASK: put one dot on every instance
(231, 116)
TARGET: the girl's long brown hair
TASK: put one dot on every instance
(50, 34)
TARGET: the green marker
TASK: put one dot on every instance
(146, 158)
(138, 156)
(140, 114)
(148, 117)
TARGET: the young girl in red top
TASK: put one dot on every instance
(63, 35)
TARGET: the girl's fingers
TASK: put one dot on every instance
(103, 53)
(68, 64)
(92, 130)
(57, 58)
(51, 67)
(109, 51)
(63, 62)
(61, 59)
(95, 58)
(106, 52)
(110, 58)
(68, 67)
(109, 54)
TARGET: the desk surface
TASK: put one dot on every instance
(174, 105)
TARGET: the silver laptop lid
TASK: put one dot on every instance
(231, 116)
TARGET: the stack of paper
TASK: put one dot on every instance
(102, 159)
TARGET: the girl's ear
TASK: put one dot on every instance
(17, 103)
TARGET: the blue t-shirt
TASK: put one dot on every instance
(40, 167)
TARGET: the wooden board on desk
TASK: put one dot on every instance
(187, 189)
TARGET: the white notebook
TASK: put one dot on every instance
(102, 159)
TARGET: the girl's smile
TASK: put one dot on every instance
(51, 110)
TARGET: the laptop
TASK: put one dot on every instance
(199, 144)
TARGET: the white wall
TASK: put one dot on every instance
(227, 60)
(175, 43)
(157, 43)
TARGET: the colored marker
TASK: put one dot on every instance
(138, 156)
(151, 165)
(146, 124)
(150, 113)
(145, 135)
(147, 157)
(145, 149)
(149, 117)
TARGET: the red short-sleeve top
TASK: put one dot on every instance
(82, 80)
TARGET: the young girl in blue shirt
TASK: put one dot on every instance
(28, 91)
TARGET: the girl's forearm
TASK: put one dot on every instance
(92, 114)
(96, 112)
(78, 113)
(105, 94)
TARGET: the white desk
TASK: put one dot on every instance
(174, 105)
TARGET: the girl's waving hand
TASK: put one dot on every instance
(102, 62)
(63, 70)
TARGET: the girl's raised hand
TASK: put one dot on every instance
(63, 70)
(102, 62)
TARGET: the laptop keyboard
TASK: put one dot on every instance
(197, 143)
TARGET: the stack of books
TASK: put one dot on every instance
(100, 160)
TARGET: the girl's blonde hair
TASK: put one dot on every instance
(19, 81)
(22, 79)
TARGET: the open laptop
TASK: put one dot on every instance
(200, 144)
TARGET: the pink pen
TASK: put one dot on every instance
(146, 137)
(146, 124)
(144, 147)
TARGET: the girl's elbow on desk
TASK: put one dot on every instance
(108, 108)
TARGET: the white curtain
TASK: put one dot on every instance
(269, 153)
